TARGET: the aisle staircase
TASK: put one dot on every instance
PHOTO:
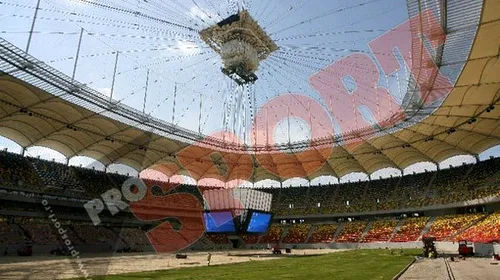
(427, 227)
(365, 231)
(205, 243)
(431, 182)
(311, 230)
(396, 229)
(451, 237)
(338, 231)
(20, 230)
(286, 228)
(469, 170)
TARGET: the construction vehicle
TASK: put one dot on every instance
(429, 247)
(465, 249)
(276, 250)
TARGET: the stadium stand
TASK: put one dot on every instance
(410, 230)
(274, 234)
(17, 172)
(250, 239)
(446, 186)
(380, 194)
(349, 198)
(445, 226)
(323, 233)
(10, 234)
(324, 195)
(42, 233)
(217, 239)
(412, 190)
(380, 231)
(351, 232)
(30, 178)
(475, 181)
(486, 231)
(91, 234)
(133, 236)
(297, 233)
(95, 182)
(56, 175)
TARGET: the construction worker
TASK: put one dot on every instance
(209, 259)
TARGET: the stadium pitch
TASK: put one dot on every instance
(356, 264)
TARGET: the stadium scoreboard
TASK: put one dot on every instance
(237, 211)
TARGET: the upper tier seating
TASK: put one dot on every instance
(57, 176)
(446, 186)
(466, 182)
(17, 172)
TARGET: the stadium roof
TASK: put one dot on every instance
(44, 107)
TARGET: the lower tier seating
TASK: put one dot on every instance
(380, 231)
(297, 233)
(274, 234)
(351, 232)
(488, 230)
(323, 233)
(410, 230)
(445, 226)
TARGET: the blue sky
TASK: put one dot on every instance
(314, 33)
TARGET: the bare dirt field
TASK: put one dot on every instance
(48, 268)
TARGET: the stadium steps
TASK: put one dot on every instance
(493, 179)
(338, 231)
(205, 243)
(396, 191)
(21, 231)
(365, 189)
(278, 199)
(469, 170)
(286, 228)
(335, 193)
(431, 182)
(366, 230)
(119, 236)
(450, 238)
(76, 235)
(427, 227)
(38, 172)
(396, 229)
(311, 230)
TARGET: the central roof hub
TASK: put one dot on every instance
(241, 43)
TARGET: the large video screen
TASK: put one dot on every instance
(219, 222)
(259, 222)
